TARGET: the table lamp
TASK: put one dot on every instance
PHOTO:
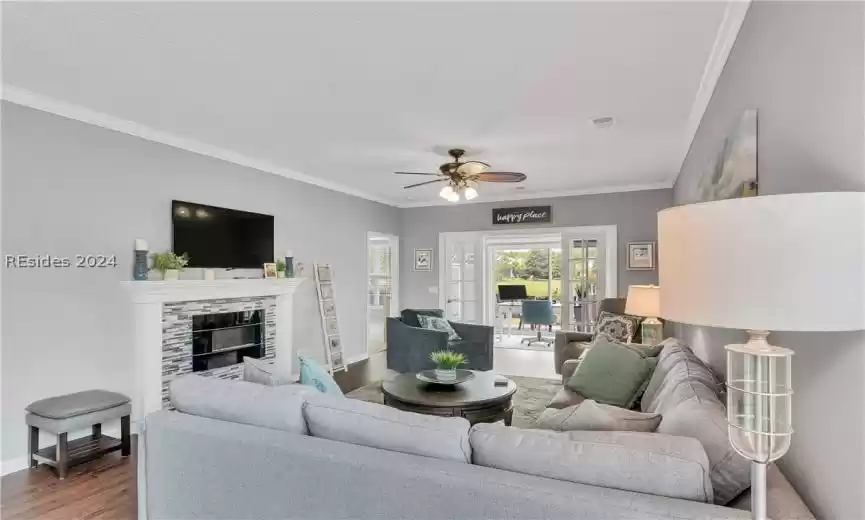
(644, 300)
(781, 262)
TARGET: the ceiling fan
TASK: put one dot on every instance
(463, 177)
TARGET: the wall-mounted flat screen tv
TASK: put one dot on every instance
(220, 237)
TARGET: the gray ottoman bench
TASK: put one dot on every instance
(67, 413)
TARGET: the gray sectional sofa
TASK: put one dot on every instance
(235, 449)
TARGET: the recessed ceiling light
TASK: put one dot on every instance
(603, 122)
(521, 187)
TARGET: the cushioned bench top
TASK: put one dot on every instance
(79, 403)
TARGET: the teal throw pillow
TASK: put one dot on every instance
(611, 373)
(436, 323)
(313, 374)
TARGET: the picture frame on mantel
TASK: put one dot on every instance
(641, 256)
(423, 259)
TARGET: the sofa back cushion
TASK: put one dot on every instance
(664, 465)
(705, 419)
(676, 365)
(379, 426)
(275, 407)
(410, 316)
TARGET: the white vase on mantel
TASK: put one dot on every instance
(171, 275)
(446, 375)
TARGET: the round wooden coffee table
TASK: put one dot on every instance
(478, 399)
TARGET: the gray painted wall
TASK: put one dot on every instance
(633, 212)
(801, 65)
(71, 188)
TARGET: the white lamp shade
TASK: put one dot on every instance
(781, 262)
(643, 300)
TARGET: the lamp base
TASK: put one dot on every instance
(652, 331)
(758, 491)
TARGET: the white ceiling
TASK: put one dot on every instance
(342, 94)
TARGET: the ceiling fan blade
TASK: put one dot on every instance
(502, 177)
(423, 183)
(414, 173)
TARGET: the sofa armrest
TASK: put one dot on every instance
(473, 333)
(568, 369)
(568, 345)
(476, 344)
(408, 348)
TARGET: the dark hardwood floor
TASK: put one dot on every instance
(101, 489)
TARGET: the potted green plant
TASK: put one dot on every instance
(446, 362)
(169, 264)
(280, 268)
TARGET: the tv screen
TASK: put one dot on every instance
(220, 237)
(512, 292)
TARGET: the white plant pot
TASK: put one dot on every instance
(280, 274)
(171, 274)
(446, 374)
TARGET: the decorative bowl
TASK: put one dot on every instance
(429, 376)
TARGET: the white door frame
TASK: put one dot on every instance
(394, 274)
(610, 233)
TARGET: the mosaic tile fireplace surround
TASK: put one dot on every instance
(163, 333)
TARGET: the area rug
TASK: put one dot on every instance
(533, 394)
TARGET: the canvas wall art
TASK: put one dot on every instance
(734, 172)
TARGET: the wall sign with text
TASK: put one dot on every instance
(522, 215)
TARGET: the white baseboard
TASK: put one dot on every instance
(13, 465)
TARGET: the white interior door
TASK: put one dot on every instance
(586, 270)
(459, 291)
(382, 287)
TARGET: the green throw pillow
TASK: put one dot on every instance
(436, 323)
(611, 373)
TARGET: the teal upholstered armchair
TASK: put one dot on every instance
(409, 345)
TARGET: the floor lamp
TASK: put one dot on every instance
(772, 263)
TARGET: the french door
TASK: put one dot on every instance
(382, 287)
(586, 271)
(459, 295)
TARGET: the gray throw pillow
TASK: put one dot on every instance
(436, 323)
(264, 373)
(618, 327)
(591, 415)
(611, 373)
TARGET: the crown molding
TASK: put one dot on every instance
(26, 98)
(728, 31)
(532, 195)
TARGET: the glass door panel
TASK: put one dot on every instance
(381, 281)
(461, 296)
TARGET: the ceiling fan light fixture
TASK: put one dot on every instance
(447, 192)
(454, 198)
(471, 193)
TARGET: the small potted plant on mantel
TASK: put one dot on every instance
(169, 264)
(280, 268)
(446, 362)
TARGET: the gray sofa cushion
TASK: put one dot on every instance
(706, 421)
(264, 372)
(276, 407)
(672, 355)
(410, 316)
(379, 426)
(564, 398)
(200, 468)
(590, 415)
(79, 403)
(663, 465)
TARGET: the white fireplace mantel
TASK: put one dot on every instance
(148, 298)
(191, 290)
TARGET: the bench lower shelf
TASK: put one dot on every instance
(80, 450)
